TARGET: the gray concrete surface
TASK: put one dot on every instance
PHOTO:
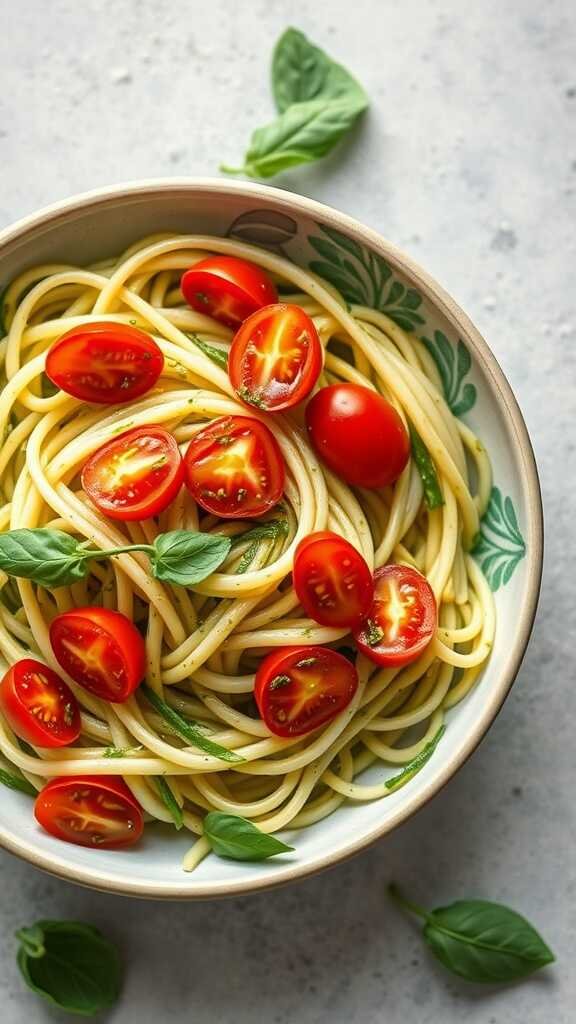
(467, 160)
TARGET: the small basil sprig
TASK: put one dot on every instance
(413, 767)
(71, 965)
(425, 466)
(481, 941)
(170, 802)
(53, 558)
(318, 102)
(231, 836)
(271, 530)
(219, 356)
(17, 782)
(189, 731)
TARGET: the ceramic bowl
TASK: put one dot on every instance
(91, 226)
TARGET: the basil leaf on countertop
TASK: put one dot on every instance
(71, 965)
(231, 836)
(185, 558)
(481, 941)
(424, 464)
(302, 71)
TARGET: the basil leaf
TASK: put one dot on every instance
(185, 558)
(273, 529)
(302, 71)
(51, 558)
(303, 133)
(232, 836)
(189, 731)
(418, 762)
(481, 941)
(425, 466)
(217, 355)
(71, 965)
(17, 782)
(170, 802)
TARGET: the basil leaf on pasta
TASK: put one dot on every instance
(17, 782)
(302, 71)
(71, 965)
(231, 836)
(170, 802)
(413, 767)
(427, 470)
(219, 356)
(189, 731)
(51, 558)
(185, 557)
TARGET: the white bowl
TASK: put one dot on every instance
(97, 224)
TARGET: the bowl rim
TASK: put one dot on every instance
(109, 881)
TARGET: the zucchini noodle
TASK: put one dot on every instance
(203, 644)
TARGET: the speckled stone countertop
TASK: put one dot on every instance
(468, 161)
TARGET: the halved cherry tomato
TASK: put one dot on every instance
(38, 706)
(275, 358)
(90, 810)
(101, 650)
(332, 581)
(402, 619)
(234, 468)
(227, 288)
(104, 363)
(358, 434)
(136, 475)
(297, 689)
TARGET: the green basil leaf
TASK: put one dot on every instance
(185, 558)
(481, 941)
(189, 731)
(303, 133)
(302, 71)
(51, 558)
(17, 782)
(170, 802)
(271, 530)
(413, 767)
(232, 836)
(425, 466)
(217, 355)
(71, 965)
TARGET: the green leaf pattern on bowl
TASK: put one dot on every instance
(500, 545)
(453, 366)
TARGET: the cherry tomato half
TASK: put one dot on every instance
(234, 468)
(91, 810)
(298, 689)
(275, 358)
(332, 581)
(38, 706)
(136, 475)
(101, 650)
(104, 363)
(358, 434)
(403, 617)
(227, 288)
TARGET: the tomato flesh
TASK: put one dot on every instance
(38, 706)
(298, 689)
(106, 363)
(275, 358)
(101, 650)
(136, 475)
(227, 288)
(234, 468)
(97, 811)
(332, 580)
(358, 434)
(402, 619)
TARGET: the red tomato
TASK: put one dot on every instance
(234, 468)
(101, 650)
(38, 705)
(90, 810)
(298, 689)
(403, 617)
(332, 581)
(358, 434)
(227, 288)
(104, 363)
(275, 358)
(136, 475)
